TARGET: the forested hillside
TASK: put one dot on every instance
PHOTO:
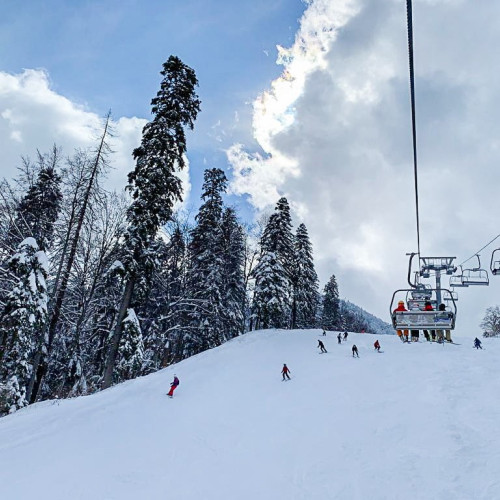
(98, 287)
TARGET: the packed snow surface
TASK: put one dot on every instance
(418, 421)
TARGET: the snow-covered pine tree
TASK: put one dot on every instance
(271, 299)
(154, 185)
(233, 292)
(39, 209)
(305, 282)
(271, 306)
(161, 311)
(331, 317)
(174, 268)
(131, 349)
(204, 281)
(22, 323)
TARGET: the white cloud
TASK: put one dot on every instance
(33, 116)
(334, 132)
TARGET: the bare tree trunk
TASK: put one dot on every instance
(107, 380)
(40, 365)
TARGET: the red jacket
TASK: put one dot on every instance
(428, 307)
(400, 308)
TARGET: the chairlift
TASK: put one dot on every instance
(475, 275)
(415, 318)
(456, 281)
(495, 262)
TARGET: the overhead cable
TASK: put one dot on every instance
(413, 116)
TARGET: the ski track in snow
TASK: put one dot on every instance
(417, 423)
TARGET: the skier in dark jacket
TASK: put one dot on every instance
(355, 351)
(285, 371)
(477, 343)
(339, 338)
(345, 335)
(173, 386)
(321, 346)
(324, 333)
(377, 345)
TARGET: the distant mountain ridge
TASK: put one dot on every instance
(357, 319)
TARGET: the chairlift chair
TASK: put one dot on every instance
(476, 275)
(418, 319)
(456, 281)
(495, 262)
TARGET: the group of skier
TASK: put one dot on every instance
(340, 338)
(285, 371)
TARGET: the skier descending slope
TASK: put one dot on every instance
(355, 351)
(285, 371)
(477, 343)
(321, 346)
(339, 338)
(173, 386)
(377, 345)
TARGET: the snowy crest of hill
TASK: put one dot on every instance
(357, 319)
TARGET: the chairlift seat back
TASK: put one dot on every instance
(423, 320)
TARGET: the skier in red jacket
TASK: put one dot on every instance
(285, 371)
(173, 386)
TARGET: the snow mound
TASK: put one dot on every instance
(418, 421)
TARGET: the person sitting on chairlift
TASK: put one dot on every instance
(428, 307)
(401, 308)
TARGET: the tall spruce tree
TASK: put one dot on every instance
(205, 271)
(154, 185)
(22, 323)
(331, 318)
(233, 284)
(305, 282)
(174, 269)
(271, 307)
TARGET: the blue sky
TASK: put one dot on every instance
(324, 120)
(107, 55)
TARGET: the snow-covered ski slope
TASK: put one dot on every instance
(419, 421)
